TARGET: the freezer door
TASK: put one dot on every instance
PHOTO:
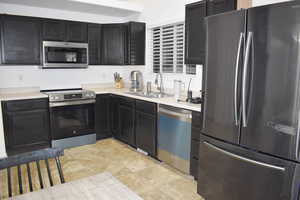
(224, 58)
(229, 172)
(273, 80)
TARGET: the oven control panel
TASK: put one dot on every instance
(72, 95)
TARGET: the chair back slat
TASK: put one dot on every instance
(30, 157)
(29, 177)
(25, 159)
(60, 172)
(40, 174)
(9, 182)
(20, 179)
(49, 172)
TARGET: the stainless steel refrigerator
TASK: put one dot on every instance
(249, 148)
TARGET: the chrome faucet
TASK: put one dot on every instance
(159, 86)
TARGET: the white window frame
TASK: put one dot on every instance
(175, 62)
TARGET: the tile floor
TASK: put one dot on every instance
(145, 176)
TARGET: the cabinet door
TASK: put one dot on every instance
(114, 108)
(54, 30)
(136, 43)
(127, 124)
(76, 32)
(195, 33)
(146, 132)
(26, 130)
(102, 112)
(113, 44)
(20, 40)
(94, 38)
(219, 6)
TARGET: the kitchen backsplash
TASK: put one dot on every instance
(33, 76)
(28, 76)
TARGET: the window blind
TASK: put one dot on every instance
(168, 48)
(190, 69)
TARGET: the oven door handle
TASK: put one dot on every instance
(71, 103)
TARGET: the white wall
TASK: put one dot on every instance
(265, 2)
(156, 13)
(23, 76)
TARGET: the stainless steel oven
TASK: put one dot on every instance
(72, 118)
(65, 55)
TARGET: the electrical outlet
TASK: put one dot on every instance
(20, 77)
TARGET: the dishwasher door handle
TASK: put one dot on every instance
(177, 115)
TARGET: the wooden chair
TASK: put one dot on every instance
(26, 159)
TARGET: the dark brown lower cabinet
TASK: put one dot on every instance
(126, 120)
(146, 127)
(114, 116)
(26, 125)
(195, 143)
(134, 122)
(102, 116)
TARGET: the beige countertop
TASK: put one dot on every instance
(32, 93)
(125, 92)
(8, 94)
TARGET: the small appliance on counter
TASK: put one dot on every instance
(179, 87)
(119, 84)
(72, 117)
(136, 78)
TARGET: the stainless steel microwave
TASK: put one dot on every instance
(65, 55)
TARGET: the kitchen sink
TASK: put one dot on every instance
(150, 95)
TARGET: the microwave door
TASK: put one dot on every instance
(65, 55)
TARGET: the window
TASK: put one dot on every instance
(167, 46)
(190, 69)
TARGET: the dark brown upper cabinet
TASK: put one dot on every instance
(195, 28)
(76, 32)
(219, 6)
(60, 30)
(114, 44)
(123, 44)
(195, 33)
(20, 40)
(54, 30)
(109, 44)
(136, 43)
(94, 39)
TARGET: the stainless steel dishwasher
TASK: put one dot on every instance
(174, 137)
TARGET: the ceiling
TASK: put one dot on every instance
(116, 8)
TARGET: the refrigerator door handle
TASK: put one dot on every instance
(236, 118)
(298, 144)
(243, 158)
(244, 84)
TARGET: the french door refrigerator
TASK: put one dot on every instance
(249, 148)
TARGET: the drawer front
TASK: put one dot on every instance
(197, 120)
(194, 168)
(195, 149)
(146, 107)
(196, 133)
(19, 105)
(126, 101)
